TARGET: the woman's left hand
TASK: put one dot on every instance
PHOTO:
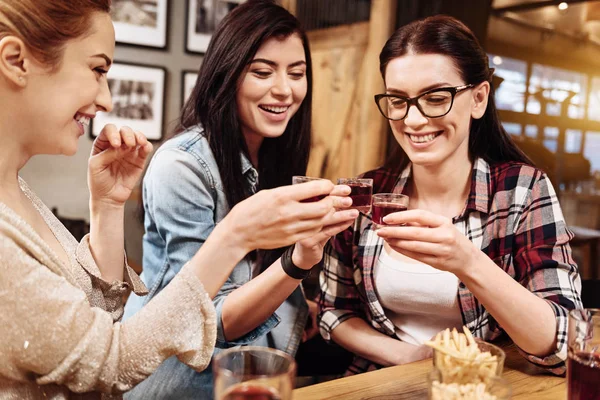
(116, 164)
(430, 239)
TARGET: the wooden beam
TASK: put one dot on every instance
(353, 35)
(290, 5)
(528, 6)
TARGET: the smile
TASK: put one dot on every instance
(274, 109)
(423, 138)
(82, 119)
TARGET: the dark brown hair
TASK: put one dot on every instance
(45, 26)
(448, 36)
(212, 103)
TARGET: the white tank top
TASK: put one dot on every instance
(419, 299)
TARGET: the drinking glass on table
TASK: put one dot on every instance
(583, 366)
(361, 192)
(253, 373)
(296, 179)
(387, 203)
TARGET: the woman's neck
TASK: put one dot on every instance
(442, 189)
(12, 159)
(253, 143)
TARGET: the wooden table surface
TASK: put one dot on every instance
(410, 382)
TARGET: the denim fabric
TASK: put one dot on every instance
(183, 200)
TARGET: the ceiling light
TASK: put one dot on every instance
(497, 60)
(563, 6)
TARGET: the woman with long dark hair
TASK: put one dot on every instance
(483, 242)
(245, 127)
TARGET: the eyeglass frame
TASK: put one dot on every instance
(410, 101)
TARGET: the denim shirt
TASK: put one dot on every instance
(183, 201)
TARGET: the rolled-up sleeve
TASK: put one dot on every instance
(545, 266)
(339, 299)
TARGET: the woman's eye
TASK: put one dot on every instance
(262, 74)
(100, 71)
(297, 75)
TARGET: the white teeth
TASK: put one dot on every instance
(274, 109)
(85, 121)
(423, 138)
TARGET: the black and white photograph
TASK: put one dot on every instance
(203, 16)
(138, 93)
(188, 81)
(141, 22)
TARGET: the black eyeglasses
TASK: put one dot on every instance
(434, 103)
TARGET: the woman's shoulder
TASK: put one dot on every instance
(516, 177)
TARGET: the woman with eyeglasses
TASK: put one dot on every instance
(483, 242)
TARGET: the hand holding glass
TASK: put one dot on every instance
(361, 192)
(303, 179)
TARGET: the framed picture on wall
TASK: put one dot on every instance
(188, 81)
(138, 96)
(141, 22)
(202, 18)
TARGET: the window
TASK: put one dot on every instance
(512, 128)
(592, 150)
(531, 131)
(572, 141)
(594, 108)
(511, 92)
(550, 88)
(551, 138)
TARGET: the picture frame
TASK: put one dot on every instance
(141, 22)
(138, 96)
(188, 81)
(202, 17)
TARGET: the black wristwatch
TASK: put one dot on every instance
(290, 268)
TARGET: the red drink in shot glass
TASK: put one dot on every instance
(361, 192)
(302, 179)
(387, 203)
(583, 364)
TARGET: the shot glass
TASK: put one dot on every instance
(361, 192)
(583, 365)
(251, 373)
(296, 179)
(387, 203)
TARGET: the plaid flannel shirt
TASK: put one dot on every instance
(512, 214)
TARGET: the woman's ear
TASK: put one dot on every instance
(14, 63)
(481, 94)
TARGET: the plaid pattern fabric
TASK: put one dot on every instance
(512, 215)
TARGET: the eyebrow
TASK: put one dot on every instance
(105, 57)
(425, 89)
(274, 64)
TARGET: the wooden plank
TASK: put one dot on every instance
(352, 35)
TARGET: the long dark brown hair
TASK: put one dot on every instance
(448, 36)
(212, 103)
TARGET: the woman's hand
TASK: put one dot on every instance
(431, 239)
(116, 164)
(309, 251)
(277, 217)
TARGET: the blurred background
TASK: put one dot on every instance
(546, 56)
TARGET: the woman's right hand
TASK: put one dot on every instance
(277, 217)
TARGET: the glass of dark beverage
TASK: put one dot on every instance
(303, 179)
(361, 192)
(387, 203)
(583, 365)
(253, 373)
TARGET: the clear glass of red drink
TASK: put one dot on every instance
(296, 179)
(361, 192)
(387, 203)
(583, 365)
(253, 373)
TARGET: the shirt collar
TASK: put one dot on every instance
(479, 195)
(248, 168)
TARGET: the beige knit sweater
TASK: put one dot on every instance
(60, 335)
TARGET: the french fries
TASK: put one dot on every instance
(459, 359)
(455, 391)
